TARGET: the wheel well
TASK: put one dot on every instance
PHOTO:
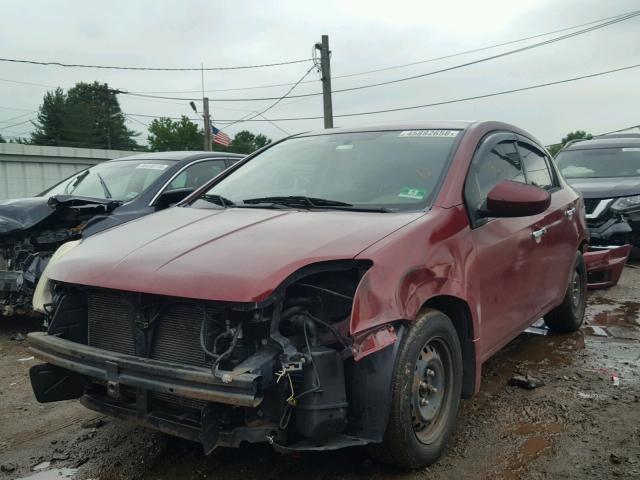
(460, 314)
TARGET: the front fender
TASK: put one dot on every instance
(422, 261)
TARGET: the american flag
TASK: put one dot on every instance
(220, 137)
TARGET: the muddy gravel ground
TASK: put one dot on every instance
(582, 423)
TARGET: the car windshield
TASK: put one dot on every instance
(119, 180)
(600, 162)
(382, 170)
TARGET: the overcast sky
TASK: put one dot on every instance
(364, 35)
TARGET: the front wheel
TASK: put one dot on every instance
(425, 392)
(568, 316)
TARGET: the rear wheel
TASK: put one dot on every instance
(425, 392)
(568, 316)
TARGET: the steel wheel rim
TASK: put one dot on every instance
(576, 290)
(430, 389)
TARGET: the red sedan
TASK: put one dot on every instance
(337, 288)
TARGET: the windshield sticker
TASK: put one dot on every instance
(347, 146)
(152, 166)
(414, 193)
(631, 149)
(429, 133)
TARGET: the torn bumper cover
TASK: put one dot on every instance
(604, 265)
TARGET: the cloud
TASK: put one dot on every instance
(364, 35)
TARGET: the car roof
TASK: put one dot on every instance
(178, 156)
(605, 142)
(425, 125)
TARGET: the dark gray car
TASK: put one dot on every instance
(88, 202)
(607, 172)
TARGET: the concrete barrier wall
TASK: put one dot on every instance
(26, 170)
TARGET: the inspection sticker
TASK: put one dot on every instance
(415, 193)
(152, 166)
(429, 133)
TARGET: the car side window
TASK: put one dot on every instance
(197, 174)
(536, 166)
(501, 162)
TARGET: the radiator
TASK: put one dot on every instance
(176, 331)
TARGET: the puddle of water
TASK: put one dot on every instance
(53, 474)
(550, 350)
(623, 314)
(528, 451)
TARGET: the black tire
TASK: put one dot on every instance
(428, 368)
(568, 316)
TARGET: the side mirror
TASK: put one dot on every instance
(515, 199)
(171, 197)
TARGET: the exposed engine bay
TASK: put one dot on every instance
(31, 230)
(221, 373)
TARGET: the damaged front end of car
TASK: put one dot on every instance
(284, 371)
(610, 242)
(31, 230)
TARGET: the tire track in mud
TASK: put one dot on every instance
(29, 436)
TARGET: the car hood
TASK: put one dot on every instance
(606, 187)
(23, 213)
(231, 254)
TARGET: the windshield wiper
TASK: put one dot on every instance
(218, 200)
(299, 200)
(107, 193)
(76, 182)
(312, 202)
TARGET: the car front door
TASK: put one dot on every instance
(557, 236)
(506, 250)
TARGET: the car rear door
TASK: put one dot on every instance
(505, 265)
(556, 229)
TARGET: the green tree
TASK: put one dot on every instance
(166, 134)
(50, 126)
(2, 140)
(245, 142)
(88, 115)
(554, 149)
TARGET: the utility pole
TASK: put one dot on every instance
(207, 124)
(325, 66)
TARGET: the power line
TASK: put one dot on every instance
(422, 75)
(404, 65)
(600, 134)
(499, 55)
(413, 107)
(167, 69)
(619, 130)
(480, 49)
(19, 116)
(458, 100)
(16, 124)
(17, 109)
(262, 112)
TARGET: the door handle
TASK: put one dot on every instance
(570, 213)
(538, 234)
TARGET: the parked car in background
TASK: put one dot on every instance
(100, 197)
(606, 170)
(338, 288)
